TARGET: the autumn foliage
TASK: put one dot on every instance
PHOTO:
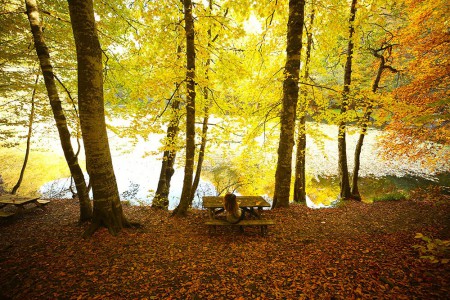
(420, 123)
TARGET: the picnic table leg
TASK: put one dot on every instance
(212, 228)
(253, 212)
(20, 209)
(212, 214)
(263, 230)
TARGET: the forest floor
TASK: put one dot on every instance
(354, 251)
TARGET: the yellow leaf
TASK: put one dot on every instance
(418, 235)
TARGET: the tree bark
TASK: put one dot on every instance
(161, 199)
(290, 97)
(300, 166)
(107, 207)
(344, 181)
(30, 131)
(58, 113)
(181, 209)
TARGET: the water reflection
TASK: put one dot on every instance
(137, 171)
(311, 204)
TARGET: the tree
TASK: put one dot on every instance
(190, 110)
(289, 105)
(58, 113)
(202, 150)
(300, 165)
(420, 129)
(344, 181)
(17, 77)
(107, 207)
(378, 53)
(30, 131)
(161, 199)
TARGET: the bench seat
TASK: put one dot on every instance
(42, 202)
(262, 223)
(4, 214)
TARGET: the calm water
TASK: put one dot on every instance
(137, 173)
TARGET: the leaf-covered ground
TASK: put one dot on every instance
(355, 251)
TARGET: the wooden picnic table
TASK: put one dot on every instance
(19, 202)
(251, 204)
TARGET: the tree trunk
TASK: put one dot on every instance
(161, 199)
(300, 165)
(107, 207)
(201, 156)
(342, 147)
(365, 121)
(30, 131)
(290, 97)
(58, 113)
(181, 209)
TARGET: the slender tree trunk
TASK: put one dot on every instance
(161, 199)
(342, 147)
(300, 166)
(365, 122)
(58, 113)
(290, 97)
(30, 131)
(181, 209)
(201, 154)
(107, 207)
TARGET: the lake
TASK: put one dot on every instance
(137, 170)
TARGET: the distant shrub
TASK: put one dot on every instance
(394, 196)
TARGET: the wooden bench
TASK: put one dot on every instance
(4, 214)
(262, 223)
(41, 203)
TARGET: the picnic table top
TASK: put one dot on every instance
(16, 200)
(243, 201)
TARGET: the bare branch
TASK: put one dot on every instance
(169, 100)
(46, 12)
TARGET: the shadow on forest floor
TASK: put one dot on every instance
(352, 251)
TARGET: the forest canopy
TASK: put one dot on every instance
(212, 81)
